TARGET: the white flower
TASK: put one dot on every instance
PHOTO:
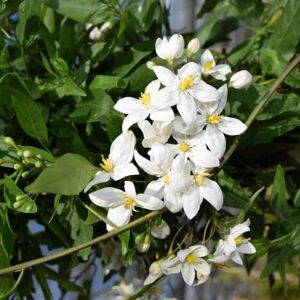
(139, 109)
(201, 188)
(241, 80)
(209, 67)
(190, 263)
(195, 151)
(121, 204)
(161, 230)
(173, 175)
(117, 165)
(158, 132)
(218, 125)
(193, 46)
(170, 50)
(155, 272)
(181, 89)
(95, 34)
(234, 243)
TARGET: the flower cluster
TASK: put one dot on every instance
(180, 117)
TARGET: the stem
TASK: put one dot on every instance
(264, 100)
(76, 248)
(14, 287)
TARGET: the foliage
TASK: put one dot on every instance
(57, 92)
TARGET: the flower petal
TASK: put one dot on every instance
(171, 266)
(161, 46)
(176, 46)
(124, 170)
(204, 92)
(165, 76)
(191, 201)
(152, 87)
(231, 126)
(166, 115)
(164, 98)
(188, 273)
(182, 254)
(100, 177)
(239, 229)
(107, 197)
(129, 105)
(155, 188)
(121, 150)
(215, 140)
(130, 189)
(173, 201)
(119, 215)
(235, 256)
(199, 250)
(148, 166)
(134, 119)
(160, 231)
(223, 91)
(212, 193)
(187, 108)
(202, 157)
(189, 69)
(220, 71)
(202, 267)
(149, 202)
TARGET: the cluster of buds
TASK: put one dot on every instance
(181, 118)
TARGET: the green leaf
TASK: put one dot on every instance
(297, 199)
(69, 175)
(85, 234)
(106, 82)
(69, 88)
(30, 117)
(27, 9)
(114, 125)
(124, 238)
(92, 11)
(23, 203)
(96, 107)
(279, 194)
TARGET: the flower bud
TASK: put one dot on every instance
(37, 164)
(17, 166)
(240, 80)
(20, 153)
(29, 207)
(1, 161)
(193, 46)
(8, 140)
(20, 197)
(18, 204)
(150, 64)
(24, 174)
(26, 153)
(143, 242)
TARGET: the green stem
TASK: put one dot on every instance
(261, 104)
(14, 287)
(99, 239)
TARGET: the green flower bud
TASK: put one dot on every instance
(143, 242)
(20, 153)
(37, 164)
(18, 204)
(29, 207)
(17, 166)
(26, 153)
(8, 140)
(24, 174)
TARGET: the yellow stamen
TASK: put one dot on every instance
(199, 178)
(129, 202)
(184, 146)
(145, 98)
(187, 83)
(219, 265)
(208, 65)
(166, 179)
(239, 240)
(213, 119)
(192, 259)
(107, 164)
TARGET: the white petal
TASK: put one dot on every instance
(202, 157)
(246, 248)
(124, 170)
(148, 166)
(119, 215)
(199, 250)
(212, 193)
(160, 231)
(130, 189)
(164, 98)
(202, 267)
(220, 71)
(223, 91)
(134, 119)
(165, 76)
(231, 126)
(187, 108)
(151, 278)
(149, 202)
(182, 254)
(215, 140)
(107, 197)
(235, 256)
(173, 201)
(162, 156)
(176, 46)
(152, 87)
(100, 177)
(191, 201)
(166, 115)
(161, 46)
(171, 266)
(129, 105)
(155, 188)
(204, 92)
(205, 57)
(121, 150)
(239, 229)
(189, 69)
(188, 273)
(147, 129)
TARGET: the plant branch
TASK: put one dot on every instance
(261, 104)
(99, 239)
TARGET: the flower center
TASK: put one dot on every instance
(106, 165)
(145, 98)
(208, 65)
(166, 179)
(213, 119)
(239, 240)
(199, 178)
(187, 83)
(192, 259)
(184, 146)
(129, 202)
